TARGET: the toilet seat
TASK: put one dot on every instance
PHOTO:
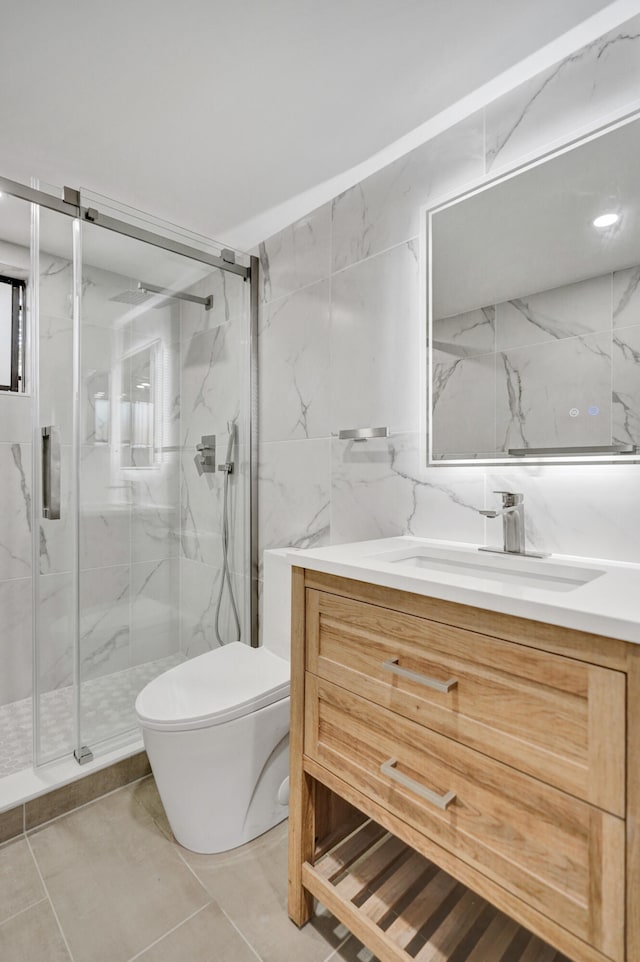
(212, 688)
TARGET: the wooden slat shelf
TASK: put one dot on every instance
(404, 907)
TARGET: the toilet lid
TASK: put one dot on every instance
(216, 687)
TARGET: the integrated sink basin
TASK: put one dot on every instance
(508, 569)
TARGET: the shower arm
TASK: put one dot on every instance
(207, 302)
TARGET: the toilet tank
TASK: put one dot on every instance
(276, 607)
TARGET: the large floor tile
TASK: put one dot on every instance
(20, 885)
(146, 794)
(250, 885)
(117, 884)
(206, 937)
(33, 936)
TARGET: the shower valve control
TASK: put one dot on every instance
(206, 457)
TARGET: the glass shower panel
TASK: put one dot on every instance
(54, 496)
(142, 309)
(15, 518)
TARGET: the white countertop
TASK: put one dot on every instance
(607, 605)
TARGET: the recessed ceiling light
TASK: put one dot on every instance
(606, 220)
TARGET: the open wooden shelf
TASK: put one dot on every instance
(402, 906)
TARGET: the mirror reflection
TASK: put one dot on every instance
(137, 408)
(535, 309)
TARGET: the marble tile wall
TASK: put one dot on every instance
(214, 393)
(339, 344)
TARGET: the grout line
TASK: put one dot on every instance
(169, 932)
(240, 933)
(25, 909)
(53, 908)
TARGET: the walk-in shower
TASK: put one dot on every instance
(117, 559)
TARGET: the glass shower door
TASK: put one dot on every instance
(163, 361)
(53, 331)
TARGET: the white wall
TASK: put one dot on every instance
(339, 343)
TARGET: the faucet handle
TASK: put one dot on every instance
(510, 498)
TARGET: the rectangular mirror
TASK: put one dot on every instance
(534, 310)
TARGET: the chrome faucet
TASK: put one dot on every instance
(512, 515)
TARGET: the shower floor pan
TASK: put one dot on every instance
(108, 706)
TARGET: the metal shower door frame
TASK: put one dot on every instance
(71, 205)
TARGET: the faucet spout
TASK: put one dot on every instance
(512, 514)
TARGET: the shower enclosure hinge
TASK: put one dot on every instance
(91, 214)
(228, 256)
(71, 196)
(83, 755)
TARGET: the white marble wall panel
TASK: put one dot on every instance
(55, 631)
(555, 394)
(294, 354)
(155, 603)
(201, 508)
(379, 490)
(297, 256)
(463, 405)
(15, 418)
(15, 517)
(15, 640)
(626, 385)
(626, 297)
(592, 84)
(575, 309)
(56, 281)
(155, 511)
(375, 342)
(384, 210)
(56, 374)
(213, 370)
(200, 587)
(463, 335)
(590, 511)
(295, 489)
(150, 324)
(105, 509)
(230, 298)
(100, 287)
(104, 620)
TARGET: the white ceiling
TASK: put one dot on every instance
(209, 113)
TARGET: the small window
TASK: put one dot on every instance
(12, 305)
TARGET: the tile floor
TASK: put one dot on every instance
(107, 709)
(108, 883)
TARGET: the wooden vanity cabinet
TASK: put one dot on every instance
(490, 759)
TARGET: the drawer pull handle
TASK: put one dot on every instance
(440, 801)
(445, 686)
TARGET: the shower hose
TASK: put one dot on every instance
(227, 468)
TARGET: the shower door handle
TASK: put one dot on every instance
(51, 472)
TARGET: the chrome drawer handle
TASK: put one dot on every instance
(445, 686)
(440, 801)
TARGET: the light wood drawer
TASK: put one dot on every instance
(553, 717)
(558, 854)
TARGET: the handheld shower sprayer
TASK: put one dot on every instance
(227, 469)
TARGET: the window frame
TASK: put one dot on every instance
(18, 298)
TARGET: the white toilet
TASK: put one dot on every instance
(216, 730)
